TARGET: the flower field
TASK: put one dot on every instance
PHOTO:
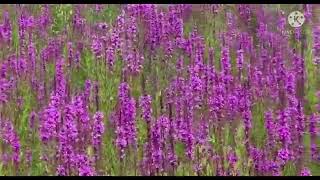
(159, 90)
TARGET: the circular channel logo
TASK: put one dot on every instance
(296, 19)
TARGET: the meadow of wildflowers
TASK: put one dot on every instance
(159, 90)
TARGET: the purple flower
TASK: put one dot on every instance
(125, 123)
(84, 166)
(305, 172)
(61, 171)
(271, 129)
(77, 58)
(45, 18)
(297, 33)
(6, 28)
(49, 119)
(145, 104)
(96, 47)
(5, 87)
(313, 134)
(99, 7)
(290, 84)
(78, 21)
(5, 158)
(247, 117)
(70, 52)
(308, 12)
(134, 62)
(226, 65)
(232, 158)
(60, 84)
(240, 59)
(111, 57)
(316, 44)
(32, 119)
(258, 157)
(22, 23)
(159, 136)
(98, 129)
(32, 58)
(284, 155)
(87, 90)
(274, 168)
(11, 138)
(283, 128)
(28, 155)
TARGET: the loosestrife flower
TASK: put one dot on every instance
(313, 134)
(98, 129)
(305, 172)
(125, 124)
(11, 138)
(145, 104)
(316, 44)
